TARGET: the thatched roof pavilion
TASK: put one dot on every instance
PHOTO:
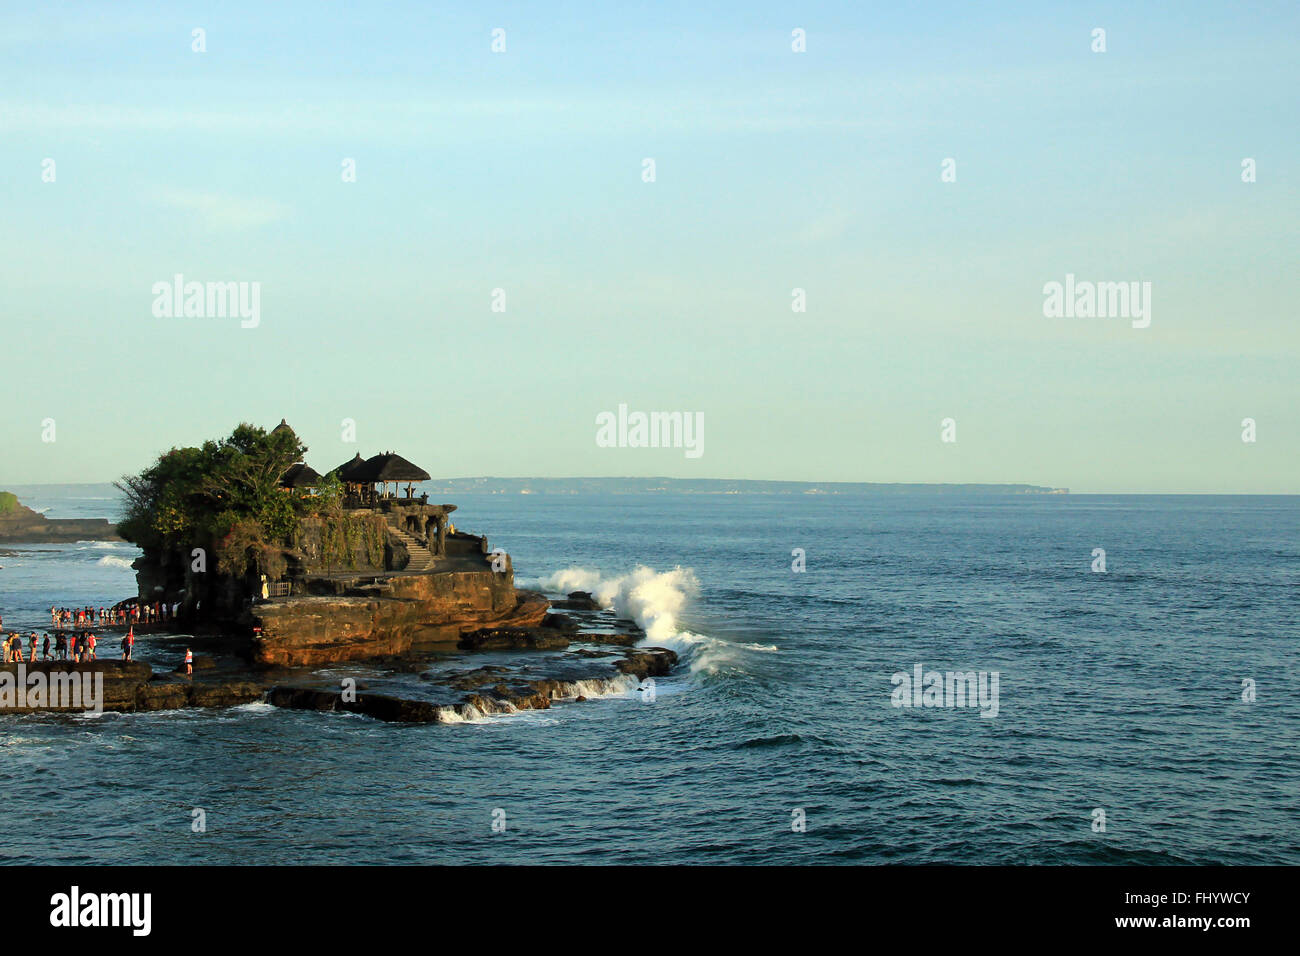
(349, 473)
(391, 467)
(300, 475)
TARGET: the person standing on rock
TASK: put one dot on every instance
(33, 638)
(189, 662)
(128, 644)
(45, 650)
(90, 646)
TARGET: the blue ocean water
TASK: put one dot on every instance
(1120, 691)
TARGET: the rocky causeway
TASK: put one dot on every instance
(565, 658)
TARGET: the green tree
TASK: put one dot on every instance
(224, 496)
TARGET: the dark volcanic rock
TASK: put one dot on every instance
(647, 662)
(471, 680)
(560, 622)
(608, 637)
(577, 601)
(379, 706)
(513, 638)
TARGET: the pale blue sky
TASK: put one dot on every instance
(775, 170)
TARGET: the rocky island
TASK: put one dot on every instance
(297, 569)
(272, 571)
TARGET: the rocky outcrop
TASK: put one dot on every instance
(647, 662)
(390, 617)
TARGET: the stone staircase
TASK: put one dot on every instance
(421, 557)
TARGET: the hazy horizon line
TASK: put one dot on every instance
(1063, 490)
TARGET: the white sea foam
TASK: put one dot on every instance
(255, 707)
(469, 714)
(624, 685)
(109, 561)
(655, 600)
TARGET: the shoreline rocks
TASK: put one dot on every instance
(532, 663)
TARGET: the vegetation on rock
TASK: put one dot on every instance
(223, 496)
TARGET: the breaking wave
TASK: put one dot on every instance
(623, 685)
(655, 600)
(109, 561)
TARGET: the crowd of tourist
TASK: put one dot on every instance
(74, 639)
(117, 616)
(74, 646)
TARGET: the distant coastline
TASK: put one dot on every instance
(650, 486)
(714, 486)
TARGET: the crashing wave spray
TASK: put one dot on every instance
(654, 599)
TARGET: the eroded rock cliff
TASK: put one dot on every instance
(389, 617)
